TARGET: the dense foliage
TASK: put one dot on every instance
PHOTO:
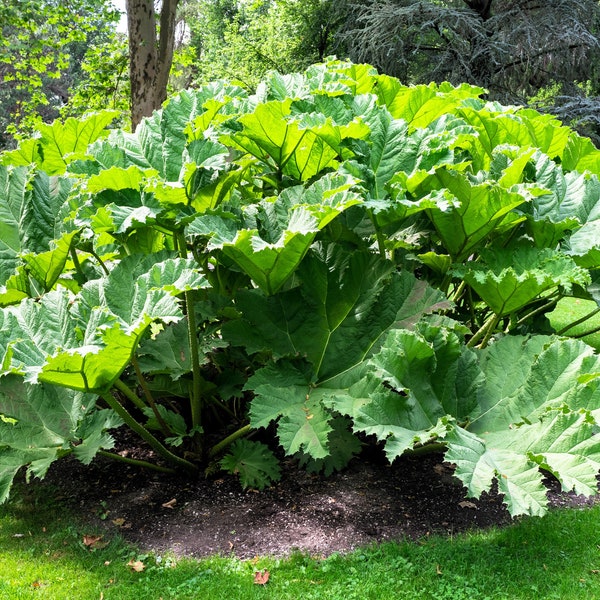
(338, 258)
(42, 47)
(242, 41)
(522, 52)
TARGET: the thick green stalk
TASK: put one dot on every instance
(458, 292)
(485, 331)
(379, 235)
(149, 398)
(218, 448)
(76, 263)
(578, 322)
(196, 392)
(100, 262)
(490, 331)
(546, 306)
(586, 333)
(426, 449)
(154, 443)
(124, 389)
(136, 462)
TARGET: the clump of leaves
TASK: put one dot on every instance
(254, 462)
(335, 255)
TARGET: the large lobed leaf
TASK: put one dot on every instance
(334, 321)
(40, 422)
(500, 419)
(509, 279)
(85, 342)
(538, 412)
(277, 233)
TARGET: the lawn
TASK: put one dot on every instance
(45, 552)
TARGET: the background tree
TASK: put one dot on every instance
(104, 80)
(244, 40)
(42, 45)
(513, 48)
(150, 54)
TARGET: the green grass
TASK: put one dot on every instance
(42, 555)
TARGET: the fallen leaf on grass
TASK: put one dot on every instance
(94, 542)
(136, 565)
(438, 570)
(261, 577)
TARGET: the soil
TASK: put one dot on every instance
(369, 502)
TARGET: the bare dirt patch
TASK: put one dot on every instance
(368, 502)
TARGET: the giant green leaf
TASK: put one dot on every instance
(270, 134)
(477, 466)
(533, 417)
(509, 279)
(475, 211)
(271, 264)
(338, 316)
(584, 245)
(336, 319)
(577, 317)
(420, 105)
(62, 143)
(580, 154)
(570, 200)
(562, 442)
(288, 226)
(84, 343)
(30, 204)
(283, 394)
(416, 385)
(39, 423)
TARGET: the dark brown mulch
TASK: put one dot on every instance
(369, 502)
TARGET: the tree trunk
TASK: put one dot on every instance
(149, 60)
(483, 7)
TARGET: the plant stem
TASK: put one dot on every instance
(136, 462)
(485, 330)
(426, 449)
(195, 398)
(148, 395)
(75, 259)
(380, 239)
(124, 389)
(196, 392)
(537, 311)
(578, 322)
(154, 443)
(458, 292)
(218, 448)
(100, 262)
(585, 333)
(489, 331)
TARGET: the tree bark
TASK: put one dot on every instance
(483, 7)
(150, 57)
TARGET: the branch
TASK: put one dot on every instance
(168, 23)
